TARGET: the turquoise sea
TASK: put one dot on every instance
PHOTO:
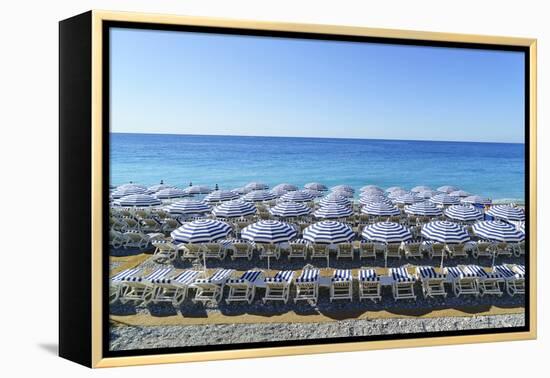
(495, 170)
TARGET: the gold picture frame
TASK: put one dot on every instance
(93, 25)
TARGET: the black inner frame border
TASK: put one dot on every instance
(107, 25)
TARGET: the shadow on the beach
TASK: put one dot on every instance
(122, 309)
(189, 309)
(121, 252)
(162, 309)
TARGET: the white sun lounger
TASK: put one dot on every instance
(344, 250)
(269, 250)
(243, 289)
(464, 282)
(433, 283)
(369, 285)
(240, 248)
(165, 250)
(460, 250)
(211, 289)
(307, 285)
(277, 288)
(402, 283)
(117, 280)
(341, 285)
(174, 289)
(140, 290)
(488, 283)
(482, 248)
(514, 282)
(116, 239)
(214, 251)
(298, 249)
(366, 249)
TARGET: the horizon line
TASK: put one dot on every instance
(319, 137)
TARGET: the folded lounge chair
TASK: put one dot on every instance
(174, 289)
(464, 282)
(402, 283)
(277, 288)
(141, 289)
(117, 280)
(243, 289)
(514, 282)
(369, 285)
(341, 285)
(488, 283)
(433, 283)
(307, 285)
(211, 289)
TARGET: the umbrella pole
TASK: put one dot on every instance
(442, 256)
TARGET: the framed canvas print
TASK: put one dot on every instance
(234, 189)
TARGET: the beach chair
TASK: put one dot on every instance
(149, 225)
(502, 249)
(463, 282)
(459, 250)
(165, 250)
(518, 249)
(393, 250)
(136, 239)
(277, 288)
(269, 250)
(307, 285)
(341, 285)
(433, 283)
(240, 248)
(243, 289)
(482, 249)
(140, 290)
(298, 249)
(437, 250)
(192, 251)
(320, 251)
(344, 250)
(488, 283)
(117, 224)
(117, 280)
(214, 251)
(369, 285)
(413, 249)
(131, 224)
(402, 283)
(175, 289)
(169, 225)
(366, 249)
(514, 282)
(211, 289)
(116, 239)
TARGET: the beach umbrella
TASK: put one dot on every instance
(316, 186)
(372, 191)
(221, 196)
(278, 192)
(498, 231)
(425, 209)
(345, 188)
(408, 199)
(507, 212)
(426, 194)
(155, 188)
(234, 209)
(269, 231)
(198, 189)
(444, 199)
(131, 185)
(343, 193)
(371, 188)
(286, 187)
(241, 190)
(394, 188)
(363, 200)
(477, 200)
(171, 193)
(420, 189)
(127, 191)
(464, 213)
(333, 211)
(259, 196)
(448, 188)
(328, 232)
(314, 193)
(386, 232)
(520, 226)
(397, 193)
(289, 209)
(298, 196)
(460, 193)
(256, 186)
(137, 200)
(445, 232)
(334, 199)
(188, 207)
(380, 209)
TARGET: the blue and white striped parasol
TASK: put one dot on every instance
(127, 191)
(444, 199)
(420, 189)
(198, 189)
(169, 193)
(425, 209)
(131, 185)
(241, 190)
(374, 198)
(427, 194)
(334, 199)
(201, 231)
(234, 209)
(188, 207)
(316, 186)
(155, 188)
(286, 187)
(220, 196)
(278, 192)
(397, 193)
(448, 188)
(372, 189)
(445, 232)
(477, 200)
(333, 211)
(386, 232)
(137, 200)
(408, 199)
(345, 188)
(460, 193)
(256, 186)
(269, 231)
(298, 196)
(259, 196)
(380, 209)
(289, 209)
(343, 193)
(394, 188)
(498, 231)
(328, 232)
(507, 212)
(314, 193)
(464, 213)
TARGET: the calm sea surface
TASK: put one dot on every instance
(495, 170)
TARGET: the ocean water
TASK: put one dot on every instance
(495, 170)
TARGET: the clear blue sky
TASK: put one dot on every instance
(190, 83)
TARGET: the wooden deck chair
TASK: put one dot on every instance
(488, 283)
(117, 224)
(393, 250)
(140, 290)
(366, 249)
(169, 225)
(136, 239)
(482, 249)
(402, 283)
(514, 282)
(344, 250)
(413, 249)
(149, 225)
(130, 224)
(192, 251)
(320, 251)
(369, 285)
(116, 239)
(298, 249)
(140, 213)
(214, 251)
(459, 250)
(437, 250)
(165, 250)
(241, 248)
(277, 288)
(175, 289)
(117, 280)
(463, 282)
(503, 249)
(243, 289)
(269, 250)
(518, 249)
(307, 285)
(341, 285)
(211, 289)
(433, 283)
